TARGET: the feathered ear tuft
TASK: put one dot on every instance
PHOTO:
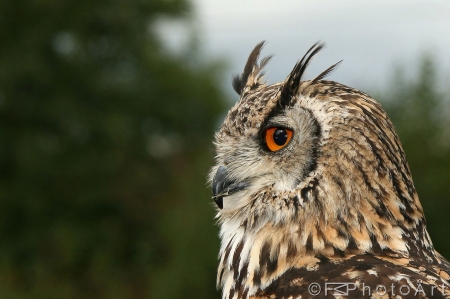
(252, 71)
(292, 83)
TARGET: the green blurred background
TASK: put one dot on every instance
(106, 140)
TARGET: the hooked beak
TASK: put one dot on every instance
(223, 186)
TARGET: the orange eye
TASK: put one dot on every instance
(277, 138)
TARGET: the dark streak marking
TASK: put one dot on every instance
(236, 259)
(309, 243)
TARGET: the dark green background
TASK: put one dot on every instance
(106, 140)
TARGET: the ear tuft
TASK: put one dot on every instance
(292, 84)
(252, 74)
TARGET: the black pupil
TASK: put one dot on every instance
(280, 136)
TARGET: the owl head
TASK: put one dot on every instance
(314, 155)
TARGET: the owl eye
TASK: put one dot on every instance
(277, 138)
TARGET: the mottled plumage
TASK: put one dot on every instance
(336, 206)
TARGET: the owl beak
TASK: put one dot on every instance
(223, 186)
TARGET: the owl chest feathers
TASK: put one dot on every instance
(256, 250)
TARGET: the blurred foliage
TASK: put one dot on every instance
(419, 107)
(105, 142)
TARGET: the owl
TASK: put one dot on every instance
(315, 197)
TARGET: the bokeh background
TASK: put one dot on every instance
(108, 110)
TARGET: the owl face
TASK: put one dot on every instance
(277, 150)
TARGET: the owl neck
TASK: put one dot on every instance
(259, 246)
